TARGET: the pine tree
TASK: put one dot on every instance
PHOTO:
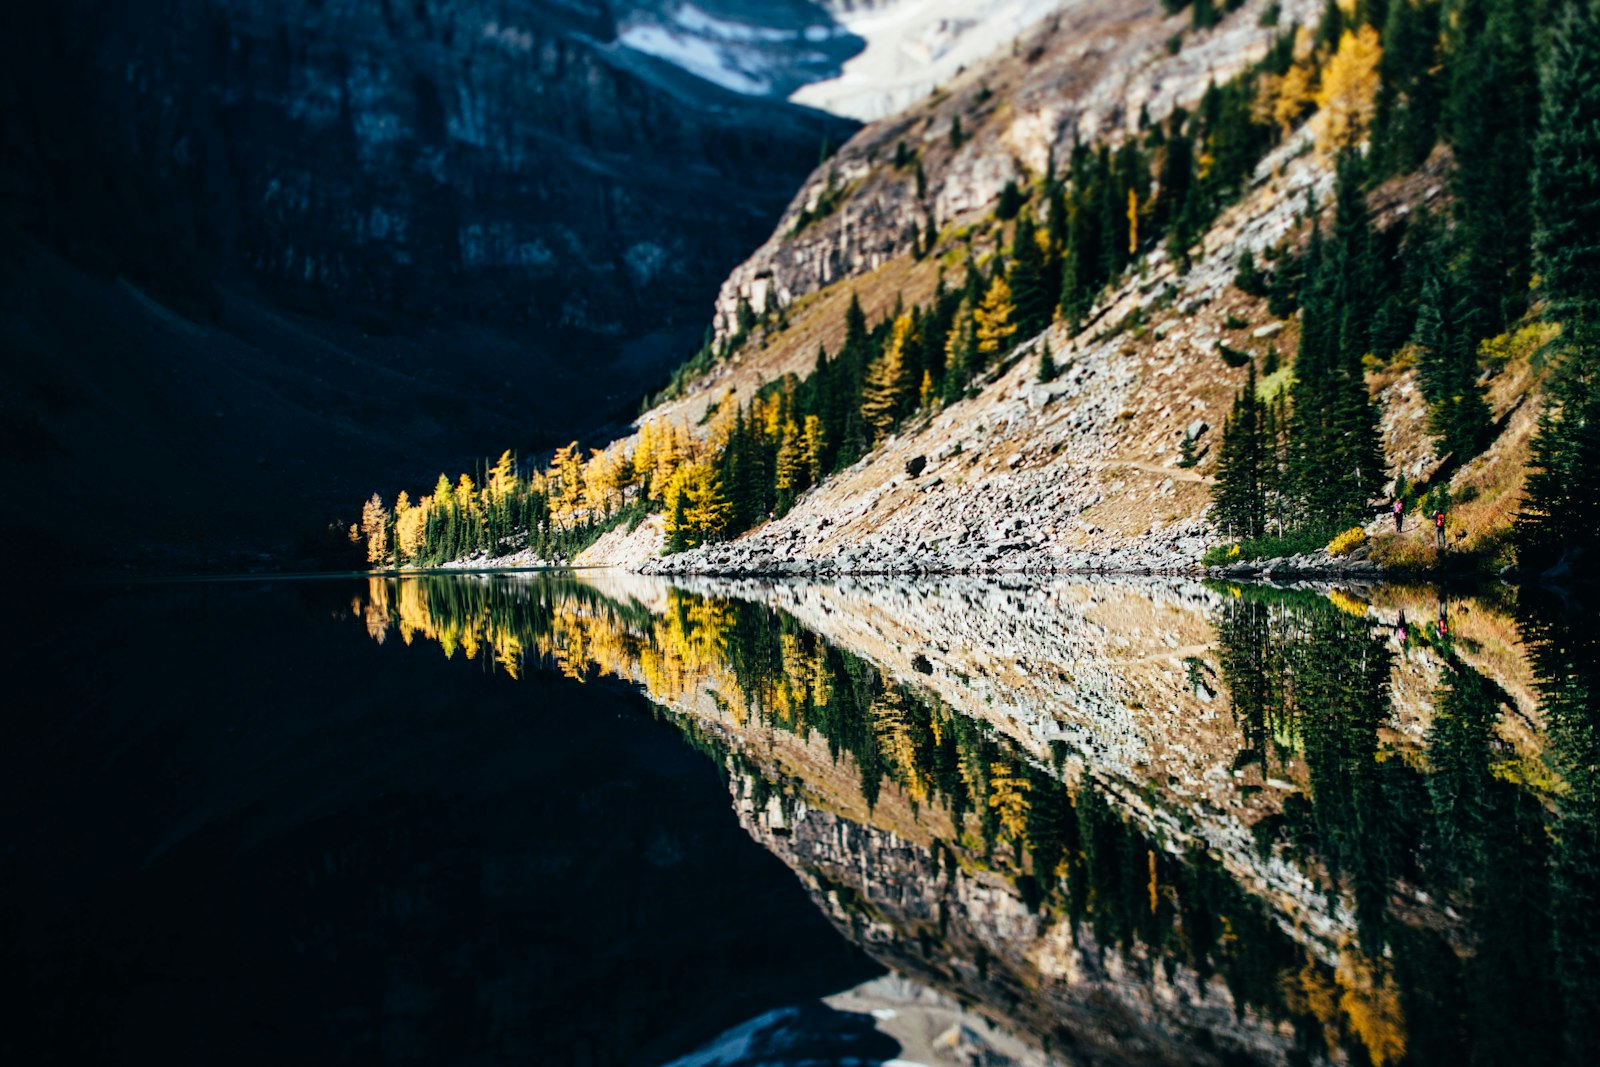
(1493, 108)
(1247, 278)
(1336, 453)
(1562, 508)
(1406, 112)
(1047, 363)
(1033, 303)
(1447, 371)
(1566, 175)
(1010, 202)
(1238, 496)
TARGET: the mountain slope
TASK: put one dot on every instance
(1085, 464)
(1109, 457)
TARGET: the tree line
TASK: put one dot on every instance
(1511, 91)
(1310, 685)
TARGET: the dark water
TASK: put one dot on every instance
(436, 820)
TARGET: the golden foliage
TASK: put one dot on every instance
(1292, 97)
(1347, 97)
(813, 448)
(1371, 1002)
(1008, 798)
(994, 318)
(885, 384)
(1348, 541)
(697, 508)
(375, 528)
(1348, 604)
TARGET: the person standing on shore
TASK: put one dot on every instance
(1399, 510)
(1438, 527)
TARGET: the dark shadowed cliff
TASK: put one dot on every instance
(253, 248)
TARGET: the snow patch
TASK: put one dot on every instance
(912, 47)
(736, 1044)
(696, 55)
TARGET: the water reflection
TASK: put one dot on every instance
(1136, 821)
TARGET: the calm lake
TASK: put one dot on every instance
(593, 818)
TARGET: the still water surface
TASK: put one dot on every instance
(595, 818)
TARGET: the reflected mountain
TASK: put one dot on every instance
(1133, 822)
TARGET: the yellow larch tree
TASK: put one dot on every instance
(885, 384)
(410, 525)
(375, 528)
(1008, 797)
(602, 480)
(697, 508)
(1347, 97)
(994, 317)
(566, 482)
(813, 448)
(790, 477)
(502, 477)
(1294, 96)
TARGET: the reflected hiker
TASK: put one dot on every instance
(1399, 510)
(1444, 618)
(1438, 527)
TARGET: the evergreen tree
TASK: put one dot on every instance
(1406, 122)
(1562, 504)
(1033, 303)
(1336, 453)
(1010, 203)
(961, 354)
(1448, 371)
(1238, 497)
(1491, 114)
(1047, 364)
(1247, 278)
(1566, 175)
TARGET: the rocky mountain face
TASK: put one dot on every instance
(1109, 464)
(488, 222)
(484, 160)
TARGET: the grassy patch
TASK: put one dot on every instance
(1273, 384)
(1298, 543)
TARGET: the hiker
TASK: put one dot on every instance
(1438, 527)
(1399, 510)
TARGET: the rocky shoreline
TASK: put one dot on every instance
(751, 562)
(741, 559)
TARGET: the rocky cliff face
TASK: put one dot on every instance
(460, 159)
(1082, 74)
